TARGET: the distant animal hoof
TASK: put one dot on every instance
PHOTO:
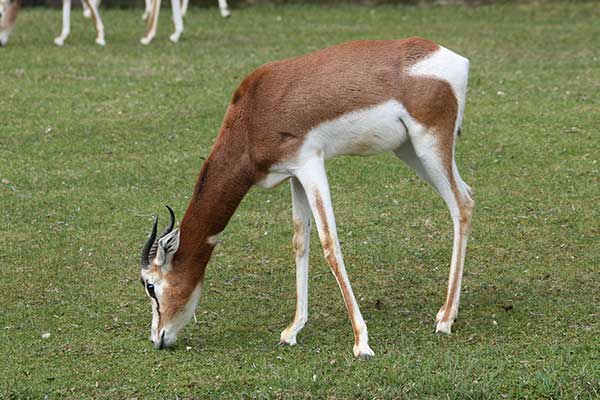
(87, 13)
(175, 37)
(285, 343)
(145, 15)
(287, 340)
(59, 41)
(145, 41)
(225, 13)
(101, 42)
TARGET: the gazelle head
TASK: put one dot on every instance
(173, 292)
(8, 15)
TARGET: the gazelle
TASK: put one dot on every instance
(179, 8)
(284, 120)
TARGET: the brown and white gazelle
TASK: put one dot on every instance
(288, 117)
(179, 8)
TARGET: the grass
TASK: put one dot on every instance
(94, 141)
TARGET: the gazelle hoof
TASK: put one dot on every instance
(283, 342)
(100, 42)
(225, 13)
(363, 351)
(146, 41)
(59, 41)
(87, 13)
(444, 328)
(145, 15)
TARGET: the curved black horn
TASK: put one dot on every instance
(164, 233)
(171, 222)
(149, 243)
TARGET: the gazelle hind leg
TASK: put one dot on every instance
(436, 166)
(301, 241)
(97, 21)
(313, 178)
(224, 8)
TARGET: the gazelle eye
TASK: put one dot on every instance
(150, 289)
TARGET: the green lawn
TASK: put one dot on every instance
(94, 141)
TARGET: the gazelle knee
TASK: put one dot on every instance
(466, 206)
(299, 237)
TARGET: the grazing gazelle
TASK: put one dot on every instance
(179, 8)
(284, 120)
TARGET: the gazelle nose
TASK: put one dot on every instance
(161, 344)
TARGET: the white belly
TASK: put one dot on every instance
(364, 132)
(361, 133)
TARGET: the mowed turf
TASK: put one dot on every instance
(94, 141)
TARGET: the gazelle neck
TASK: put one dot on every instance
(225, 178)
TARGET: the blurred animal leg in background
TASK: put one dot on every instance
(184, 7)
(177, 21)
(224, 8)
(147, 10)
(86, 10)
(92, 6)
(66, 23)
(152, 21)
(8, 17)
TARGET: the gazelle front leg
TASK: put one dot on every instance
(313, 178)
(177, 21)
(301, 217)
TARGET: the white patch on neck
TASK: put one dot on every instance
(172, 328)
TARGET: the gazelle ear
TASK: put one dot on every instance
(167, 246)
